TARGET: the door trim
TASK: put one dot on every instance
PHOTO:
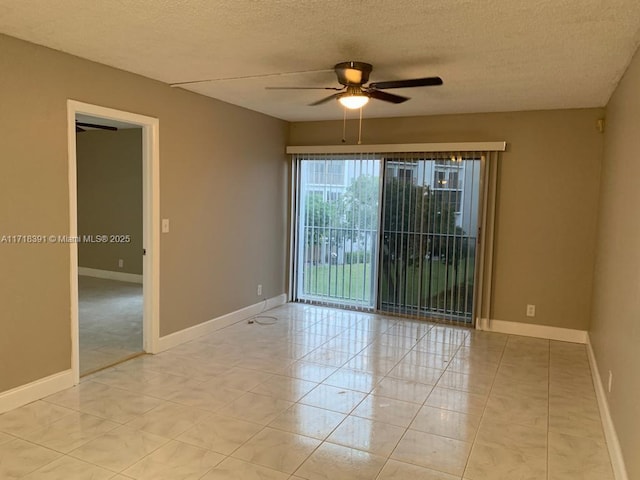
(150, 220)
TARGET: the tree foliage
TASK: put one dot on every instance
(419, 227)
(410, 212)
(320, 216)
(361, 203)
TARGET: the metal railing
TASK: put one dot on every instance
(421, 273)
(338, 264)
(427, 273)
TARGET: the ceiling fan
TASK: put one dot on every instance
(79, 126)
(355, 94)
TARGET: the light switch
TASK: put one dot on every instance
(165, 225)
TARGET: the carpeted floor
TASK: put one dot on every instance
(110, 322)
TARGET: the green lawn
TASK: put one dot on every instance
(352, 283)
(339, 282)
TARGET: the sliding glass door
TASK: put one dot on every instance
(391, 232)
(337, 234)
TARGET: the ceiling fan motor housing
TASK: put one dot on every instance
(353, 73)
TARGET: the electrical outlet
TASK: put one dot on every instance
(120, 263)
(165, 225)
(259, 289)
(531, 310)
(610, 381)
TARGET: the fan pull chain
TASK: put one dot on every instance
(344, 125)
(360, 129)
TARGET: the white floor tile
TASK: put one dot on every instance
(321, 394)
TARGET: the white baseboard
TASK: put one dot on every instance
(532, 330)
(19, 396)
(109, 275)
(615, 452)
(191, 333)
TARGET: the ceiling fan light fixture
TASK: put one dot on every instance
(353, 101)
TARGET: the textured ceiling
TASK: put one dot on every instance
(492, 55)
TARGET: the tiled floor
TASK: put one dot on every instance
(323, 394)
(110, 318)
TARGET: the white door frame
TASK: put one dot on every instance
(150, 220)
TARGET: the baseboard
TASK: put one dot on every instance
(109, 275)
(615, 452)
(19, 396)
(191, 333)
(532, 330)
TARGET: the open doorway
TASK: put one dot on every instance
(110, 252)
(114, 203)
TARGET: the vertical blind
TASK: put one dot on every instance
(394, 232)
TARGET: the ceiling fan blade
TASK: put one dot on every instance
(415, 82)
(95, 125)
(325, 99)
(386, 97)
(304, 88)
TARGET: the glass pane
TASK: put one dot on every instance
(429, 228)
(338, 230)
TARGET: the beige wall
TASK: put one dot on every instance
(615, 327)
(223, 185)
(109, 166)
(547, 200)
